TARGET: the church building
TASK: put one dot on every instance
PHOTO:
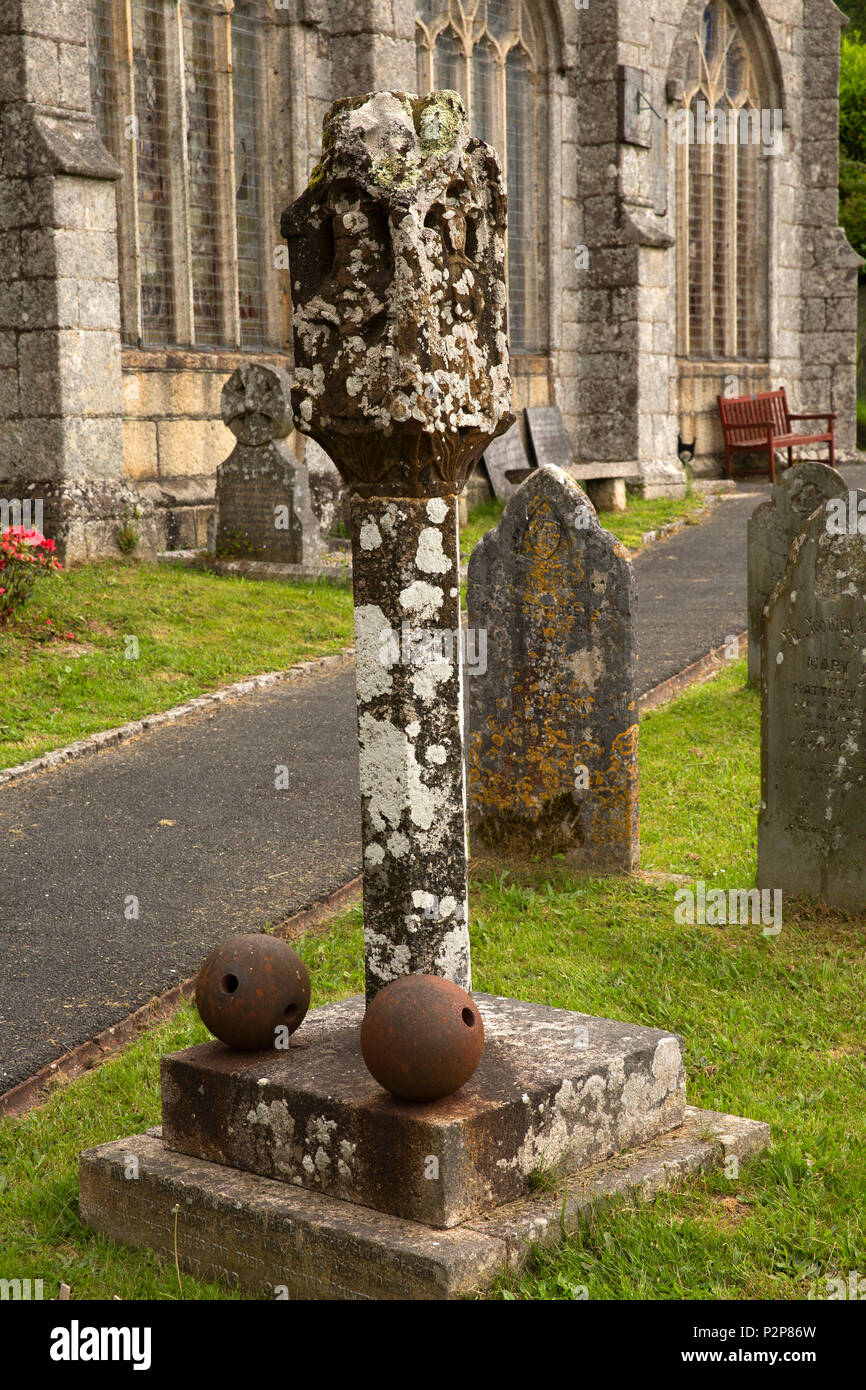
(671, 168)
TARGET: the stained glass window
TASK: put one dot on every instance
(202, 134)
(489, 52)
(724, 191)
(152, 175)
(179, 98)
(249, 183)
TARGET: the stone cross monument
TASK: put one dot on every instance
(398, 280)
(397, 253)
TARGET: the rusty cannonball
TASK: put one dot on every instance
(422, 1037)
(250, 986)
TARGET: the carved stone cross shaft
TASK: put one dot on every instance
(397, 252)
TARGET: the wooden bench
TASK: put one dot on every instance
(762, 424)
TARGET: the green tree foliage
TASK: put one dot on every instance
(852, 137)
(852, 202)
(856, 12)
(852, 98)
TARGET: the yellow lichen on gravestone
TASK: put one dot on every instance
(553, 739)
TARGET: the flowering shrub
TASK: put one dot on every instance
(24, 556)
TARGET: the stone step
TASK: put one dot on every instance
(280, 1242)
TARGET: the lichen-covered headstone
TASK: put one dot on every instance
(773, 528)
(263, 509)
(812, 822)
(553, 720)
(397, 253)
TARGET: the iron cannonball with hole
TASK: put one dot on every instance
(422, 1037)
(250, 986)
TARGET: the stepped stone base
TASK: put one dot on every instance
(554, 1092)
(276, 1240)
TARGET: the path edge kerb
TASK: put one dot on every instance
(315, 918)
(706, 666)
(702, 669)
(110, 738)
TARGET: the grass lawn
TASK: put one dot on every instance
(640, 516)
(775, 1029)
(194, 631)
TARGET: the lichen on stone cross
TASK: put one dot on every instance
(397, 252)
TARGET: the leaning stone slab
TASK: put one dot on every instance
(548, 438)
(773, 528)
(553, 1089)
(812, 822)
(506, 463)
(553, 718)
(279, 1241)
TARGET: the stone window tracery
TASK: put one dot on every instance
(491, 53)
(723, 187)
(179, 96)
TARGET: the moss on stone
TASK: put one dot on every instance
(440, 120)
(396, 171)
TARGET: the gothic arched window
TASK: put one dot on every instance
(179, 97)
(491, 53)
(723, 132)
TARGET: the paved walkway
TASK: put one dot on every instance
(187, 820)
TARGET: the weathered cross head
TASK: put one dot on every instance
(397, 253)
(256, 404)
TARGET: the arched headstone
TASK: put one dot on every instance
(812, 822)
(553, 714)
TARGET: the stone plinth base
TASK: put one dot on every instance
(279, 1241)
(554, 1092)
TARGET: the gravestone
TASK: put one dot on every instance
(773, 528)
(506, 463)
(553, 718)
(547, 437)
(812, 822)
(263, 509)
(328, 495)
